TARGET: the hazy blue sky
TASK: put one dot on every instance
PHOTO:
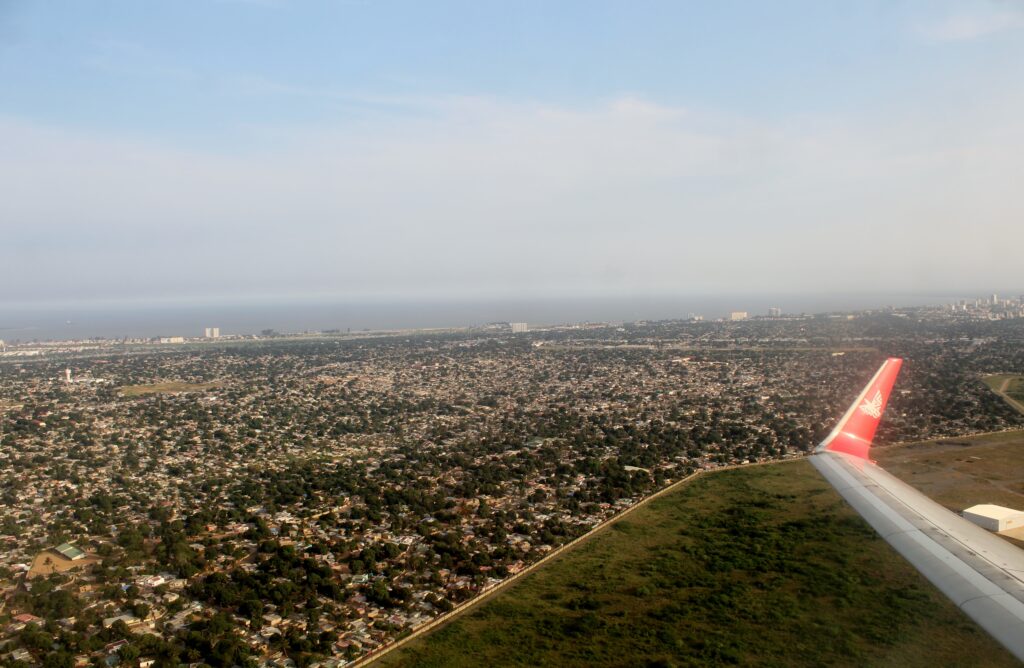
(363, 148)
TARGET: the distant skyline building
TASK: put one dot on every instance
(990, 307)
(519, 327)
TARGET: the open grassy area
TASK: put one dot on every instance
(1010, 387)
(962, 472)
(166, 388)
(763, 565)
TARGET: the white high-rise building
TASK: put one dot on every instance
(519, 327)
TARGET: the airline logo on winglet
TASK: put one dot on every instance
(873, 406)
(856, 429)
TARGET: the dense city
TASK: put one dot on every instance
(305, 500)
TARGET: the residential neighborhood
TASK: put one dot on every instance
(306, 500)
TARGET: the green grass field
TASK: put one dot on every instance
(1010, 386)
(759, 566)
(166, 388)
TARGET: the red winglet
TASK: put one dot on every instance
(854, 433)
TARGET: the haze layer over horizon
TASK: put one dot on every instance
(383, 150)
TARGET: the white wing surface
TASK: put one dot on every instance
(979, 571)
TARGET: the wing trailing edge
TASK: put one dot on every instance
(979, 571)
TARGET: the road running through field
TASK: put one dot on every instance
(1010, 400)
(489, 593)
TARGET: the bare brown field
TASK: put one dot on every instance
(962, 472)
(172, 387)
(48, 561)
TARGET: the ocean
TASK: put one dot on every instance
(113, 321)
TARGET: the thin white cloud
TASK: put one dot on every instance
(979, 23)
(484, 195)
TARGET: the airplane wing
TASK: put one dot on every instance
(979, 571)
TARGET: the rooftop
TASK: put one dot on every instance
(69, 551)
(993, 511)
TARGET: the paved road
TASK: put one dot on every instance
(486, 595)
